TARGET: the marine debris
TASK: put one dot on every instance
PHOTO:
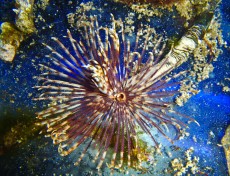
(13, 34)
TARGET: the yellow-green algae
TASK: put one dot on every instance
(13, 34)
(24, 18)
(188, 9)
(10, 40)
(226, 144)
(16, 132)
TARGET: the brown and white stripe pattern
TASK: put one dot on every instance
(103, 92)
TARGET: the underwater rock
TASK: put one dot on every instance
(10, 40)
(226, 144)
(20, 133)
(24, 19)
(12, 35)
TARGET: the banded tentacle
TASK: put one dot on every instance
(105, 89)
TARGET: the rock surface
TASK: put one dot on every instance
(226, 144)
